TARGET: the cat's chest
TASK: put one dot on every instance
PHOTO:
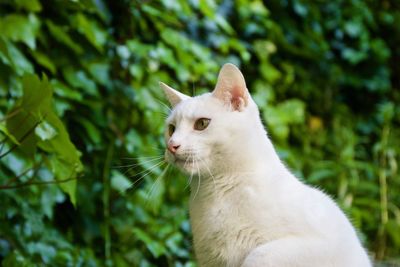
(222, 230)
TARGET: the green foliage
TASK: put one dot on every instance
(79, 96)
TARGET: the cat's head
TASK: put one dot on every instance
(203, 133)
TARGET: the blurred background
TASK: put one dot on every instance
(82, 182)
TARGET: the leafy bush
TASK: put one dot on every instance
(81, 117)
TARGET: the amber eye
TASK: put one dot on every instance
(171, 129)
(201, 124)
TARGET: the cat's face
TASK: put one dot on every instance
(190, 134)
(202, 130)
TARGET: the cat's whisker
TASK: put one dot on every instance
(194, 150)
(164, 106)
(189, 181)
(209, 171)
(191, 174)
(144, 173)
(150, 169)
(133, 184)
(139, 163)
(158, 179)
(162, 113)
(142, 164)
(138, 158)
(199, 181)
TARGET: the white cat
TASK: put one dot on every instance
(246, 208)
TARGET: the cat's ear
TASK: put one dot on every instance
(231, 87)
(173, 96)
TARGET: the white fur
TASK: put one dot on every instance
(246, 208)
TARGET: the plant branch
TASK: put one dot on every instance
(22, 139)
(12, 114)
(36, 183)
(35, 168)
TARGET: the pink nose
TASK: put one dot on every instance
(173, 147)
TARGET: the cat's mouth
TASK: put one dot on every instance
(184, 161)
(187, 162)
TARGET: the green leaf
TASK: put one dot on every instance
(20, 28)
(156, 248)
(120, 182)
(292, 111)
(269, 72)
(353, 28)
(34, 106)
(37, 116)
(221, 22)
(45, 131)
(4, 54)
(79, 79)
(64, 91)
(15, 258)
(386, 111)
(66, 164)
(207, 7)
(100, 71)
(37, 104)
(63, 171)
(318, 175)
(91, 30)
(354, 56)
(59, 33)
(264, 49)
(300, 8)
(393, 229)
(20, 63)
(92, 131)
(29, 5)
(4, 130)
(11, 56)
(44, 60)
(123, 52)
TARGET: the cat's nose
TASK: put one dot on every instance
(173, 147)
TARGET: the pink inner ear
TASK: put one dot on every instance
(238, 100)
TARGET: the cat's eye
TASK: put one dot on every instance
(201, 124)
(171, 129)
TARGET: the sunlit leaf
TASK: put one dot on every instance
(5, 131)
(45, 131)
(12, 56)
(29, 5)
(120, 182)
(20, 28)
(44, 60)
(79, 79)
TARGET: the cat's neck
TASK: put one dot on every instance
(244, 163)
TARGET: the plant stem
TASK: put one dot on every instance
(384, 214)
(12, 114)
(106, 203)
